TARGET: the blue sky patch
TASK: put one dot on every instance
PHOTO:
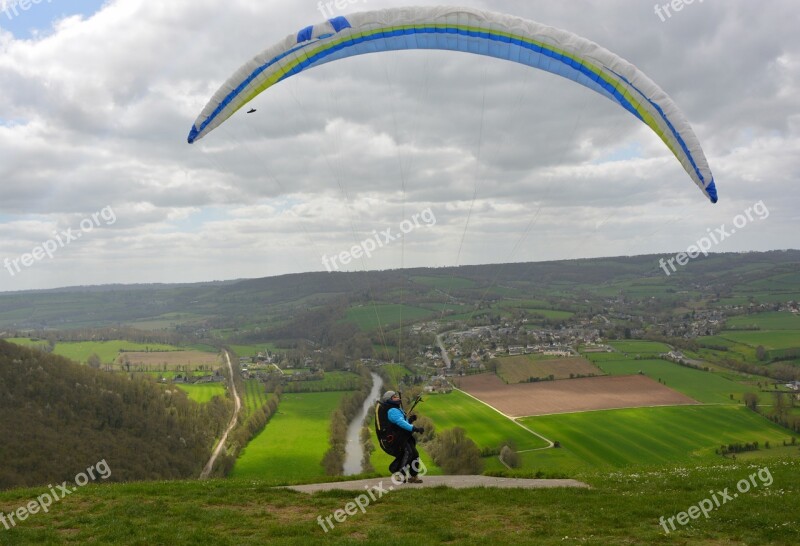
(27, 19)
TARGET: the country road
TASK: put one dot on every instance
(445, 357)
(238, 406)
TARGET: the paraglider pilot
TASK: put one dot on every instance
(395, 436)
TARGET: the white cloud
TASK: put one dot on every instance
(96, 114)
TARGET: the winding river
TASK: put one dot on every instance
(353, 451)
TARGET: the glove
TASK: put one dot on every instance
(418, 429)
(412, 418)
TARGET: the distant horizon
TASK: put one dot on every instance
(240, 279)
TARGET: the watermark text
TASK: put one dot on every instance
(704, 244)
(61, 239)
(717, 499)
(43, 502)
(379, 240)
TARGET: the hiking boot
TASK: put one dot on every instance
(413, 479)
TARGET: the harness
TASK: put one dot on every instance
(390, 437)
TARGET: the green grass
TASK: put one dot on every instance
(766, 321)
(651, 436)
(706, 387)
(443, 282)
(396, 372)
(332, 381)
(622, 507)
(204, 392)
(291, 446)
(483, 425)
(365, 316)
(253, 350)
(28, 342)
(639, 347)
(80, 351)
(254, 396)
(782, 339)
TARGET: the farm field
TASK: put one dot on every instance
(706, 387)
(254, 396)
(443, 282)
(483, 425)
(291, 446)
(365, 316)
(780, 339)
(166, 321)
(332, 381)
(518, 369)
(170, 359)
(253, 350)
(639, 347)
(648, 436)
(396, 372)
(80, 351)
(203, 392)
(28, 342)
(570, 395)
(766, 321)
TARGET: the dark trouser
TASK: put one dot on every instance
(407, 461)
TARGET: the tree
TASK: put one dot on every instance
(456, 453)
(510, 457)
(751, 400)
(761, 353)
(94, 361)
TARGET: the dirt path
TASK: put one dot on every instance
(456, 482)
(237, 408)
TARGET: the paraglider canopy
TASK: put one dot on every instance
(471, 31)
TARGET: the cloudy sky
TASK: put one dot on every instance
(500, 162)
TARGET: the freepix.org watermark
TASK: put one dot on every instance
(717, 499)
(715, 237)
(61, 239)
(12, 8)
(663, 10)
(326, 8)
(374, 492)
(379, 240)
(43, 502)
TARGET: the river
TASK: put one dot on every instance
(353, 451)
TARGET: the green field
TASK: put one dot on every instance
(332, 381)
(253, 350)
(203, 392)
(27, 342)
(254, 395)
(781, 339)
(80, 351)
(291, 446)
(443, 282)
(706, 387)
(766, 321)
(396, 372)
(639, 347)
(646, 436)
(368, 317)
(486, 427)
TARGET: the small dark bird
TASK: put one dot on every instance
(251, 110)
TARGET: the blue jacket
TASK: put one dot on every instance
(398, 417)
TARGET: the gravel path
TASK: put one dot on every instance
(456, 482)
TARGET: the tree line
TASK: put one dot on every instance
(59, 417)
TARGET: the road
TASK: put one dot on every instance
(238, 406)
(444, 351)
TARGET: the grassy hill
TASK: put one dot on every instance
(622, 507)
